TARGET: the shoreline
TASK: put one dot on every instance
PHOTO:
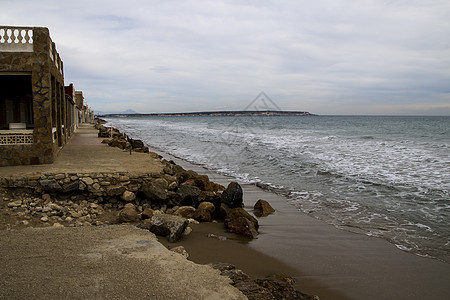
(325, 261)
(333, 263)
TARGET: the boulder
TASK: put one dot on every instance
(241, 222)
(147, 213)
(262, 208)
(50, 185)
(204, 212)
(137, 143)
(212, 197)
(206, 206)
(185, 211)
(120, 143)
(202, 182)
(156, 189)
(232, 196)
(128, 196)
(170, 226)
(128, 214)
(272, 287)
(188, 194)
(115, 190)
(203, 215)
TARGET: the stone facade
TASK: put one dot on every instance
(29, 53)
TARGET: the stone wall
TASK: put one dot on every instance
(93, 185)
(43, 64)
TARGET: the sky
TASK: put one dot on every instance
(389, 57)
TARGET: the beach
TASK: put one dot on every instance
(325, 261)
(332, 263)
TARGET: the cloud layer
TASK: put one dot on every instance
(324, 56)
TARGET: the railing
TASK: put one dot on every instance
(20, 39)
(16, 137)
(16, 39)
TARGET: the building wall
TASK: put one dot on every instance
(43, 63)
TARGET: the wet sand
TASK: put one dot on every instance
(325, 261)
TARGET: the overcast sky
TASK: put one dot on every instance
(321, 56)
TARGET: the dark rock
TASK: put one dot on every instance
(115, 190)
(242, 226)
(128, 215)
(202, 182)
(120, 143)
(188, 194)
(241, 222)
(156, 190)
(232, 196)
(185, 211)
(71, 186)
(263, 208)
(147, 213)
(214, 198)
(204, 212)
(169, 170)
(137, 143)
(167, 225)
(281, 289)
(50, 185)
(273, 287)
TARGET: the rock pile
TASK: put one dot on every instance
(160, 202)
(273, 287)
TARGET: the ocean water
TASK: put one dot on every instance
(381, 176)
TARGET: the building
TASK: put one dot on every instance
(36, 117)
(73, 109)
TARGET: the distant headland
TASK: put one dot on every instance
(215, 113)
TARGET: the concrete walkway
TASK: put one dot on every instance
(84, 153)
(112, 262)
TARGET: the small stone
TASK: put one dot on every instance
(59, 176)
(75, 214)
(187, 231)
(46, 198)
(128, 214)
(185, 211)
(128, 196)
(88, 180)
(44, 219)
(16, 203)
(172, 186)
(57, 225)
(96, 186)
(192, 221)
(147, 213)
(69, 219)
(180, 250)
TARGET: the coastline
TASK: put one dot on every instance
(327, 262)
(333, 263)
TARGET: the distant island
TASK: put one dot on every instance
(215, 113)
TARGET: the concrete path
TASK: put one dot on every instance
(84, 153)
(112, 262)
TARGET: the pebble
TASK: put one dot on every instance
(44, 219)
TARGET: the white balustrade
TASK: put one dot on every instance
(15, 39)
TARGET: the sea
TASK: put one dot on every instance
(382, 176)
